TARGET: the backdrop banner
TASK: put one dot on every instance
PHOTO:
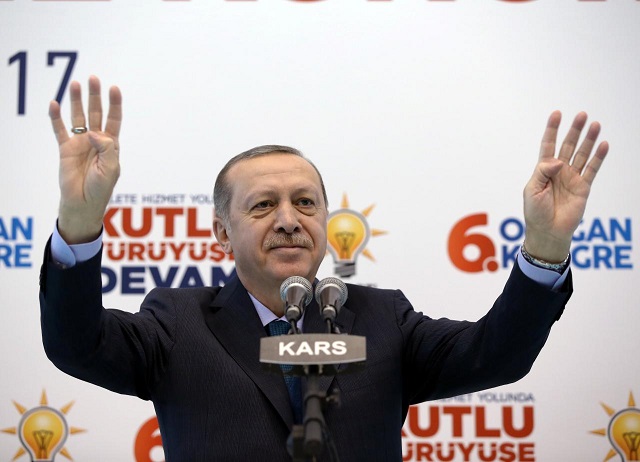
(425, 117)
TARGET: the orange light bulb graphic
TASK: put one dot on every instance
(624, 434)
(43, 432)
(347, 234)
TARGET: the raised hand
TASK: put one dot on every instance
(556, 196)
(89, 161)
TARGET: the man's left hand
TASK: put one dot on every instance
(556, 196)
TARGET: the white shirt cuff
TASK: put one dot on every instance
(547, 278)
(67, 255)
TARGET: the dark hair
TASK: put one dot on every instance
(222, 190)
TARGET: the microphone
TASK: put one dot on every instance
(296, 293)
(331, 293)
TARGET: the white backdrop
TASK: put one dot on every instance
(431, 110)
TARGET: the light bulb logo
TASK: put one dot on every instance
(623, 432)
(347, 235)
(43, 431)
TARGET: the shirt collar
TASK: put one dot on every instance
(266, 315)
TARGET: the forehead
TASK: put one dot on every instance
(278, 171)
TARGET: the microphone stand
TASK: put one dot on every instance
(310, 356)
(313, 418)
(308, 441)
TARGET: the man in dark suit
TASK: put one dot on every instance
(194, 352)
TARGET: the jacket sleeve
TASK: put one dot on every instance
(444, 358)
(117, 350)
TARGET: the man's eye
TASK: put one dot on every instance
(305, 202)
(262, 205)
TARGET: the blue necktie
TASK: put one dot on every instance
(279, 327)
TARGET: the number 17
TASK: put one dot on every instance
(21, 58)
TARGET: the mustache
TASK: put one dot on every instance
(288, 240)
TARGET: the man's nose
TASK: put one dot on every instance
(287, 219)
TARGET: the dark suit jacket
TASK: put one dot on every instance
(194, 353)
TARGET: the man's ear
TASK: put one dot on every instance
(220, 229)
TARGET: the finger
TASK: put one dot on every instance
(591, 170)
(77, 113)
(573, 135)
(548, 145)
(544, 172)
(95, 104)
(583, 153)
(56, 122)
(114, 118)
(107, 150)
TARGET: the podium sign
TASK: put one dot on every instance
(307, 349)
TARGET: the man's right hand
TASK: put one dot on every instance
(89, 162)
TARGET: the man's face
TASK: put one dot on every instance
(277, 224)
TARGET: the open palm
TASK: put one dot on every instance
(556, 196)
(89, 162)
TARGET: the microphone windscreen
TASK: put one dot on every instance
(300, 284)
(331, 291)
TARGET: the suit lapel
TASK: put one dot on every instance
(233, 320)
(313, 324)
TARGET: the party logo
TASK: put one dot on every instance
(348, 232)
(43, 431)
(623, 431)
